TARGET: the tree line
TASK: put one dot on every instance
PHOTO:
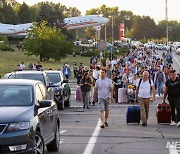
(136, 27)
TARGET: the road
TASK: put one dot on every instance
(81, 134)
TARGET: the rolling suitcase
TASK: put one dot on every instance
(133, 114)
(122, 96)
(163, 113)
(79, 94)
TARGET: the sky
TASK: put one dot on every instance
(153, 8)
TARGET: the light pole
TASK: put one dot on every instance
(112, 29)
(166, 18)
(105, 33)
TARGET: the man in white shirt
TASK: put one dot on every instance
(143, 95)
(22, 66)
(104, 89)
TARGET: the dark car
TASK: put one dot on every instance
(28, 120)
(57, 79)
(37, 75)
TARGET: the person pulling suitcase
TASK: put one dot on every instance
(172, 90)
(143, 95)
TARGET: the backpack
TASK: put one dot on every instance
(159, 77)
(141, 81)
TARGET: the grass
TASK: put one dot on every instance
(9, 60)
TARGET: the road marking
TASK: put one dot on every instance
(63, 131)
(93, 139)
(176, 60)
(61, 139)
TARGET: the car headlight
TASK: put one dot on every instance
(14, 127)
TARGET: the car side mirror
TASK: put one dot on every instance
(65, 81)
(44, 103)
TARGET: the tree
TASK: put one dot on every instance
(71, 12)
(24, 13)
(47, 42)
(52, 13)
(143, 27)
(8, 14)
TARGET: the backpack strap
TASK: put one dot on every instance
(150, 82)
(141, 81)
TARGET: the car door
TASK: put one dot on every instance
(49, 111)
(43, 114)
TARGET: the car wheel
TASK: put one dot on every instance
(60, 104)
(55, 144)
(38, 144)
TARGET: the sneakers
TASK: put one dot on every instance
(178, 124)
(144, 124)
(173, 123)
(106, 124)
(102, 126)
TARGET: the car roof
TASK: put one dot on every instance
(28, 72)
(19, 81)
(49, 71)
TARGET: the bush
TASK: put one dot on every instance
(5, 47)
(90, 54)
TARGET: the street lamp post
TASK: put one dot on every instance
(112, 29)
(166, 18)
(105, 33)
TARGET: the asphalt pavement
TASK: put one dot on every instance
(81, 132)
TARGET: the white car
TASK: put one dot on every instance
(95, 44)
(159, 46)
(77, 43)
(178, 49)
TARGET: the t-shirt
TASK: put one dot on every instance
(173, 88)
(144, 88)
(118, 80)
(104, 87)
(85, 87)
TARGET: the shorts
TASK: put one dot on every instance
(103, 104)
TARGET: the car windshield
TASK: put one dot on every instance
(54, 77)
(38, 77)
(16, 95)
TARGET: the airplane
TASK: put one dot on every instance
(20, 30)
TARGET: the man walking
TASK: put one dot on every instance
(104, 89)
(172, 89)
(143, 95)
(159, 80)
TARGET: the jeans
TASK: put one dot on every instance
(86, 98)
(175, 105)
(160, 87)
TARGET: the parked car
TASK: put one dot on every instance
(29, 120)
(77, 43)
(159, 46)
(61, 84)
(178, 49)
(95, 44)
(37, 75)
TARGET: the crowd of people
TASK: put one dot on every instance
(142, 68)
(31, 66)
